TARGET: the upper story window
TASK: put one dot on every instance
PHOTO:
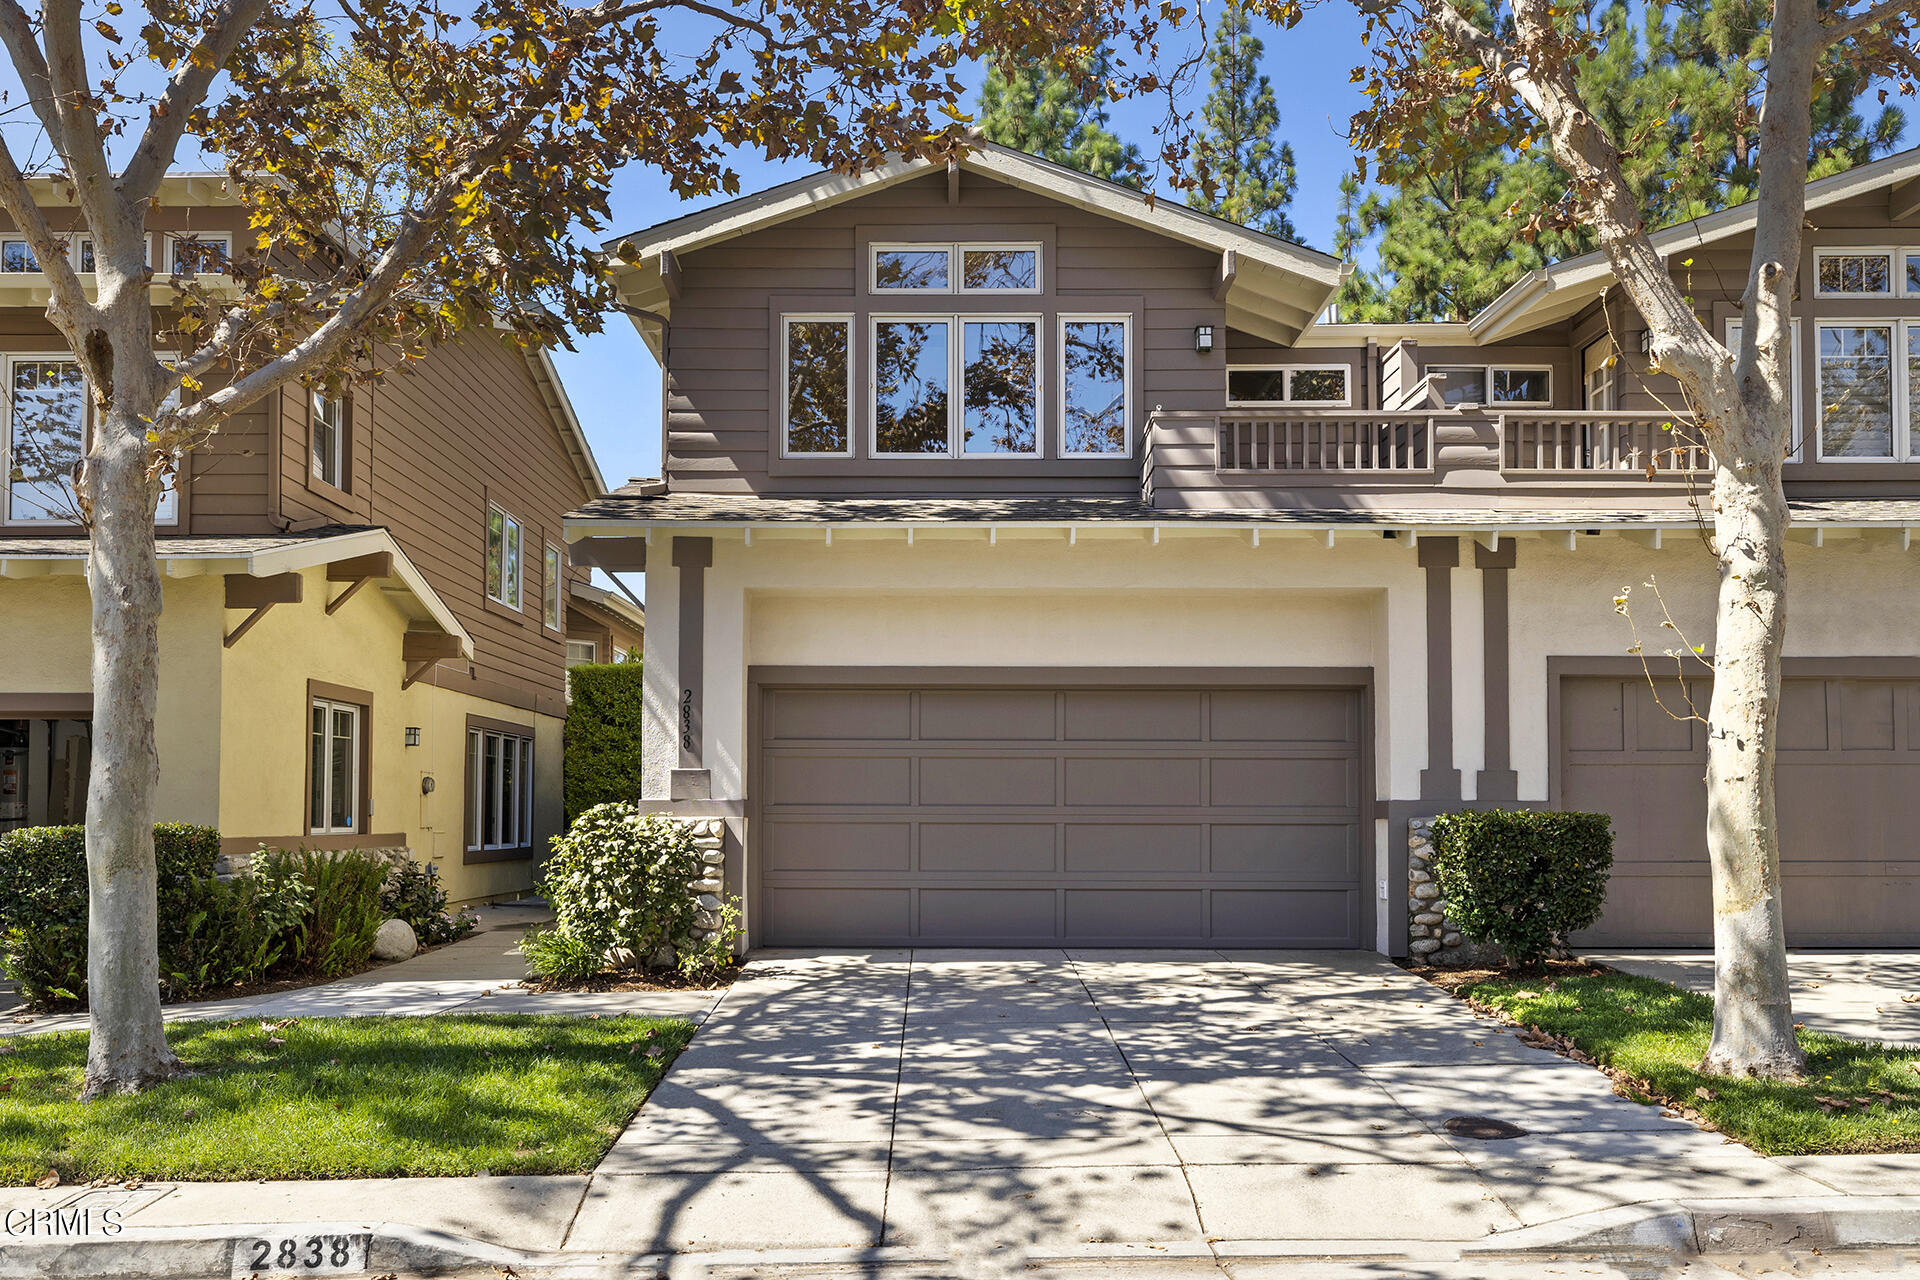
(1096, 386)
(552, 582)
(819, 385)
(1859, 273)
(1734, 329)
(504, 538)
(329, 440)
(1323, 385)
(580, 652)
(16, 256)
(1869, 381)
(190, 254)
(949, 268)
(934, 395)
(46, 437)
(1517, 386)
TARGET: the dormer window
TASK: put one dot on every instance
(955, 268)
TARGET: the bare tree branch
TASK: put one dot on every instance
(1845, 29)
(16, 32)
(187, 90)
(79, 142)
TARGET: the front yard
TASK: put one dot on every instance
(1856, 1096)
(341, 1098)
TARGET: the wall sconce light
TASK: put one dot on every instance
(413, 736)
(1203, 339)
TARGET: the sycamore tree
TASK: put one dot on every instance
(365, 250)
(1446, 81)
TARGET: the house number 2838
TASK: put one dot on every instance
(301, 1255)
(686, 719)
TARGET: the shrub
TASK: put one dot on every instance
(1522, 879)
(560, 957)
(604, 717)
(700, 960)
(619, 880)
(233, 936)
(412, 893)
(343, 914)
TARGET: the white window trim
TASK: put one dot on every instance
(1896, 269)
(592, 648)
(508, 521)
(787, 321)
(172, 518)
(1344, 402)
(325, 772)
(7, 362)
(956, 322)
(315, 399)
(1486, 381)
(22, 239)
(73, 240)
(73, 252)
(523, 802)
(1125, 321)
(553, 573)
(1897, 388)
(221, 238)
(1794, 380)
(956, 251)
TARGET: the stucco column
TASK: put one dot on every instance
(1497, 782)
(692, 557)
(1440, 780)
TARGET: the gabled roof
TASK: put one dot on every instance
(1553, 293)
(560, 408)
(1275, 291)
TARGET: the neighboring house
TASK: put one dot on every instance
(603, 626)
(1033, 566)
(363, 640)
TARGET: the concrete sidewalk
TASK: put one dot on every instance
(1864, 995)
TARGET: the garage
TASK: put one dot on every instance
(1062, 811)
(1848, 785)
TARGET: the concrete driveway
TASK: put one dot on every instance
(1253, 1101)
(1866, 995)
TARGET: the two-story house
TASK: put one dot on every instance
(364, 631)
(1035, 565)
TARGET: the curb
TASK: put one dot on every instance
(1722, 1226)
(197, 1253)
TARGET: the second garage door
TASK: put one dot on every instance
(1848, 790)
(1060, 815)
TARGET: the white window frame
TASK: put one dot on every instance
(7, 361)
(221, 238)
(316, 398)
(1125, 320)
(78, 240)
(787, 321)
(957, 322)
(1344, 402)
(18, 238)
(1733, 325)
(510, 527)
(522, 829)
(1897, 388)
(592, 648)
(1486, 381)
(956, 251)
(553, 604)
(323, 768)
(1896, 269)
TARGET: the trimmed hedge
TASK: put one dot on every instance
(1522, 879)
(603, 735)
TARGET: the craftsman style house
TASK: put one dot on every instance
(365, 625)
(1033, 565)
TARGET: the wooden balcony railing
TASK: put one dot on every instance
(1553, 442)
(1326, 440)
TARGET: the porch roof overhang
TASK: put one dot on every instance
(259, 557)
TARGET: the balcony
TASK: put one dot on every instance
(1418, 457)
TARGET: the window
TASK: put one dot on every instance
(620, 655)
(189, 254)
(1287, 384)
(1522, 386)
(334, 768)
(503, 557)
(1856, 273)
(819, 385)
(329, 440)
(1793, 372)
(16, 256)
(1597, 362)
(1096, 397)
(1857, 386)
(580, 652)
(551, 583)
(83, 257)
(916, 364)
(1498, 384)
(949, 268)
(167, 509)
(46, 437)
(499, 788)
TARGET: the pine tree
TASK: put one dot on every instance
(1677, 93)
(1245, 173)
(1040, 110)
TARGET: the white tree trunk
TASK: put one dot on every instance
(128, 1048)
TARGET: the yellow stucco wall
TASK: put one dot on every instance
(45, 640)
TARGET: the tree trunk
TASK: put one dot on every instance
(1752, 1008)
(128, 1049)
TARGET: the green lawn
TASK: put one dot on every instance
(1855, 1097)
(341, 1098)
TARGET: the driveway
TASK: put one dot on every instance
(977, 1101)
(1867, 995)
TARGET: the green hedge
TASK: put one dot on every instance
(603, 735)
(1522, 879)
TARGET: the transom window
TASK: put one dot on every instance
(1287, 384)
(1869, 381)
(819, 385)
(334, 771)
(1096, 386)
(950, 268)
(977, 396)
(499, 789)
(1514, 385)
(1857, 273)
(504, 539)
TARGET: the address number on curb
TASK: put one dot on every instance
(328, 1255)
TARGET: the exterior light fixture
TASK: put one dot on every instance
(1203, 339)
(413, 736)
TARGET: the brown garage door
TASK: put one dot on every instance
(1038, 816)
(1848, 793)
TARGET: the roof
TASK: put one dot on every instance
(617, 605)
(1553, 293)
(630, 513)
(258, 556)
(560, 407)
(1277, 289)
